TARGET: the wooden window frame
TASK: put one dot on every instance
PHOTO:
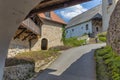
(110, 2)
(47, 14)
(87, 28)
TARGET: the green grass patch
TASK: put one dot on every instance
(60, 48)
(30, 57)
(102, 37)
(73, 42)
(107, 64)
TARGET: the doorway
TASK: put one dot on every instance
(44, 44)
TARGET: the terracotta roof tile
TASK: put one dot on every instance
(54, 17)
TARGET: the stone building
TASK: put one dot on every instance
(107, 9)
(38, 32)
(51, 31)
(89, 22)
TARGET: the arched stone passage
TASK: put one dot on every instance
(113, 35)
(12, 13)
(44, 44)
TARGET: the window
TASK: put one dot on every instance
(110, 2)
(47, 14)
(81, 27)
(66, 31)
(72, 30)
(97, 29)
(35, 19)
(87, 27)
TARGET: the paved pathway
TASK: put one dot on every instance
(74, 64)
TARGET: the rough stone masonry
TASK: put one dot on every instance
(113, 35)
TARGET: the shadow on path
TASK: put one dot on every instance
(81, 69)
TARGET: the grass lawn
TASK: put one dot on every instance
(30, 57)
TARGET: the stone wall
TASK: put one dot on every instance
(19, 72)
(52, 31)
(27, 71)
(113, 35)
(18, 46)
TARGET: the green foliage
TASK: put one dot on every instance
(70, 42)
(107, 64)
(73, 42)
(63, 34)
(102, 37)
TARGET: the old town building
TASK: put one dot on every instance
(89, 22)
(38, 32)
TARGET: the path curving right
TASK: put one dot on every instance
(73, 64)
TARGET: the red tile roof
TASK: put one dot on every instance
(54, 17)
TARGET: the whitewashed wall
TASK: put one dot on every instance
(107, 11)
(79, 30)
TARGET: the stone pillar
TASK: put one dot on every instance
(113, 35)
(12, 12)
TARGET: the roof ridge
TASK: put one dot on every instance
(85, 16)
(54, 17)
(86, 11)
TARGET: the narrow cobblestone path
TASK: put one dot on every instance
(73, 64)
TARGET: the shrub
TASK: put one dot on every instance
(102, 37)
(73, 42)
(107, 63)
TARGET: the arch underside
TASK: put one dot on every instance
(12, 13)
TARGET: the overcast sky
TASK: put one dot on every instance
(70, 12)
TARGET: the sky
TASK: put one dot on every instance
(68, 13)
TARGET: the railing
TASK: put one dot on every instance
(30, 25)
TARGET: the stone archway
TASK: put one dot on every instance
(113, 35)
(44, 44)
(12, 13)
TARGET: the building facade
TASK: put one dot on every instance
(107, 9)
(39, 32)
(79, 30)
(51, 31)
(89, 22)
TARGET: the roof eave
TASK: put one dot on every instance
(54, 6)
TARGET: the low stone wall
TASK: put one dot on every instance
(19, 72)
(26, 71)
